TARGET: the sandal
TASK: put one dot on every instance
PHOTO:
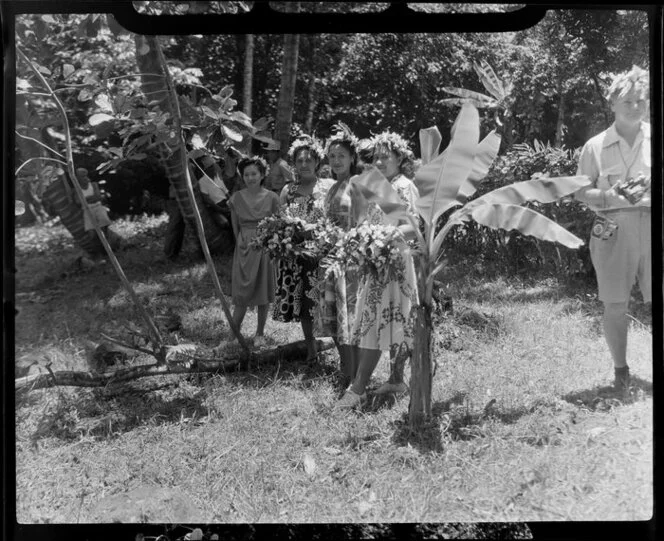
(350, 400)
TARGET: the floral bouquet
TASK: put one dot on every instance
(372, 249)
(291, 237)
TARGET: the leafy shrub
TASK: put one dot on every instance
(511, 251)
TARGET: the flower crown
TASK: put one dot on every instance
(394, 142)
(259, 162)
(308, 142)
(342, 136)
(635, 79)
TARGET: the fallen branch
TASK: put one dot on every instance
(194, 365)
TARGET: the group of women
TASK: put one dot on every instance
(364, 316)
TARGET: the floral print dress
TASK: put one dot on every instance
(296, 295)
(337, 291)
(383, 318)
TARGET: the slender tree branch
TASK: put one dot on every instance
(152, 328)
(39, 143)
(197, 216)
(39, 158)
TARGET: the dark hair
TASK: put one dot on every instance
(350, 148)
(259, 162)
(305, 142)
(393, 142)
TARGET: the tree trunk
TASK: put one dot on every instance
(419, 408)
(247, 88)
(196, 365)
(560, 123)
(311, 94)
(287, 89)
(59, 202)
(154, 87)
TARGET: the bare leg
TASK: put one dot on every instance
(615, 332)
(367, 361)
(238, 315)
(262, 318)
(308, 331)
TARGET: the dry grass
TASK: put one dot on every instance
(525, 425)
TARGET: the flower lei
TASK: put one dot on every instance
(373, 249)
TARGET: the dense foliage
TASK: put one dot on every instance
(558, 70)
(513, 252)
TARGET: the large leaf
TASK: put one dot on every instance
(231, 133)
(98, 118)
(543, 190)
(472, 95)
(438, 181)
(486, 152)
(479, 104)
(430, 139)
(490, 80)
(104, 103)
(373, 186)
(526, 221)
(241, 118)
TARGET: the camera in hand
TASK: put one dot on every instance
(633, 189)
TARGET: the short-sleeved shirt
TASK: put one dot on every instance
(608, 159)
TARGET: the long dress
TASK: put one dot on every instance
(383, 318)
(296, 293)
(252, 277)
(338, 291)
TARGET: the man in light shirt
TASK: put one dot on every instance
(620, 245)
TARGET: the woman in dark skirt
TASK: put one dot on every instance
(296, 292)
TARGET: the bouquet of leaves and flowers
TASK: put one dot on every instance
(371, 249)
(293, 235)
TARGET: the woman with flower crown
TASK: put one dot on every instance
(383, 311)
(344, 207)
(296, 291)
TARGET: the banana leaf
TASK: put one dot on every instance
(490, 80)
(526, 221)
(430, 139)
(373, 186)
(475, 98)
(438, 181)
(487, 151)
(543, 190)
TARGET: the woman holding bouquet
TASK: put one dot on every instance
(253, 274)
(338, 291)
(296, 290)
(382, 321)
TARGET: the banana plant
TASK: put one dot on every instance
(447, 181)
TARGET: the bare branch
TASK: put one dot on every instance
(40, 158)
(39, 143)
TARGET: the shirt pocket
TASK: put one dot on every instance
(609, 176)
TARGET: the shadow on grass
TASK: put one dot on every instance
(104, 415)
(603, 398)
(452, 419)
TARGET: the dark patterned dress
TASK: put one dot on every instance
(296, 291)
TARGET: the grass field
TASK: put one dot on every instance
(525, 428)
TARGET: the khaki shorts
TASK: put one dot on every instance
(623, 257)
